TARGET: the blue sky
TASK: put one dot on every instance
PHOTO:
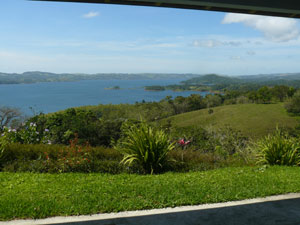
(97, 38)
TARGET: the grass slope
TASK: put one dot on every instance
(253, 120)
(29, 195)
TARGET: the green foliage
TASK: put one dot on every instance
(210, 111)
(27, 134)
(3, 147)
(145, 145)
(59, 158)
(226, 141)
(293, 106)
(198, 137)
(155, 88)
(221, 143)
(213, 100)
(73, 158)
(63, 126)
(195, 102)
(264, 95)
(203, 153)
(212, 79)
(279, 149)
(281, 92)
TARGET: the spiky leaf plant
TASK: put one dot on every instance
(145, 145)
(279, 149)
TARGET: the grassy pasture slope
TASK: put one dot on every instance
(254, 120)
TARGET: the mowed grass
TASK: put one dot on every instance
(253, 120)
(28, 195)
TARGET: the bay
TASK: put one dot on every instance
(55, 96)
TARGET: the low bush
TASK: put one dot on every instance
(63, 126)
(223, 141)
(60, 158)
(278, 149)
(191, 160)
(146, 146)
(26, 134)
(293, 105)
(146, 150)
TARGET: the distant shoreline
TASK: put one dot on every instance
(41, 77)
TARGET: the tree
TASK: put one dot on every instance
(195, 102)
(264, 95)
(252, 95)
(291, 92)
(280, 92)
(180, 105)
(293, 106)
(64, 126)
(9, 115)
(213, 100)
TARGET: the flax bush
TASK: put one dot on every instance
(146, 146)
(278, 149)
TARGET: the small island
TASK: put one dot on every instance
(113, 88)
(154, 88)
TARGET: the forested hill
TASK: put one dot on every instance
(218, 82)
(36, 77)
(212, 79)
(292, 79)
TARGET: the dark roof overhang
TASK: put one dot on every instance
(286, 8)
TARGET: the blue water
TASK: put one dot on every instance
(51, 97)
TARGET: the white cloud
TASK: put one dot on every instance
(212, 43)
(206, 43)
(251, 53)
(274, 28)
(90, 15)
(236, 58)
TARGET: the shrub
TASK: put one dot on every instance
(146, 146)
(63, 126)
(279, 149)
(27, 134)
(293, 105)
(3, 147)
(60, 158)
(242, 100)
(197, 136)
(226, 141)
(73, 158)
(189, 160)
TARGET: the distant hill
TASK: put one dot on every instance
(253, 120)
(290, 79)
(247, 82)
(268, 77)
(212, 79)
(37, 76)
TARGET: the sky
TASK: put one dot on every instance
(100, 38)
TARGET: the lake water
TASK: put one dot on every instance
(51, 97)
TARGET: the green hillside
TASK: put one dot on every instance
(212, 79)
(253, 120)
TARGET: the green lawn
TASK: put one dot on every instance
(29, 195)
(254, 120)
